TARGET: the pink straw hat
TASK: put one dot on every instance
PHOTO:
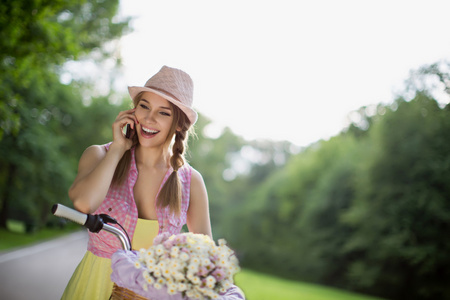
(173, 85)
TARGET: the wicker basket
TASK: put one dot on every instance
(120, 293)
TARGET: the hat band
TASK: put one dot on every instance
(164, 92)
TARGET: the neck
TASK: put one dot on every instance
(152, 157)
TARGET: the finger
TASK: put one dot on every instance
(126, 112)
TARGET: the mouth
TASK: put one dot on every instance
(147, 132)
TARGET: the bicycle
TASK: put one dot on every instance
(98, 222)
(94, 223)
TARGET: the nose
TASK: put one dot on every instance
(150, 117)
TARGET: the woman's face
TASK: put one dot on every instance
(155, 117)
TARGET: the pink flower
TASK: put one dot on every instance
(180, 239)
(203, 271)
(161, 238)
(168, 244)
(218, 274)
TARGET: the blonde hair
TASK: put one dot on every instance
(171, 192)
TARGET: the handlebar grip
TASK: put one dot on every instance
(60, 210)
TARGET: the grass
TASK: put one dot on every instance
(258, 286)
(16, 237)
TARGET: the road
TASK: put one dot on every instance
(41, 271)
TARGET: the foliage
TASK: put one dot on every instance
(217, 157)
(39, 36)
(401, 205)
(37, 156)
(365, 210)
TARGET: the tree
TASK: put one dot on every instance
(366, 210)
(37, 38)
(401, 209)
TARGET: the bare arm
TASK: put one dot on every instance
(97, 166)
(95, 172)
(198, 220)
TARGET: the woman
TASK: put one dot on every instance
(142, 181)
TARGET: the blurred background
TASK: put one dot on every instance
(323, 135)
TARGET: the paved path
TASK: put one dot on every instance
(41, 272)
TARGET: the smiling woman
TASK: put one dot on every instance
(142, 181)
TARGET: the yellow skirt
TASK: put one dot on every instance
(92, 277)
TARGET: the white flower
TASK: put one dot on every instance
(211, 293)
(146, 274)
(190, 294)
(210, 280)
(174, 252)
(137, 264)
(161, 281)
(194, 279)
(181, 287)
(151, 268)
(172, 289)
(178, 276)
(150, 280)
(184, 256)
(162, 265)
(166, 273)
(222, 263)
(175, 265)
(149, 253)
(159, 250)
(214, 250)
(206, 262)
(226, 284)
(157, 273)
(150, 261)
(195, 260)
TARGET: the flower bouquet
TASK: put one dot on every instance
(182, 266)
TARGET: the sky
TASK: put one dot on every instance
(284, 70)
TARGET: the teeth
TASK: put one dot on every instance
(149, 130)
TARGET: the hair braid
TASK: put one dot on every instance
(171, 193)
(177, 159)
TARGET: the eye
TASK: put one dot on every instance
(165, 113)
(143, 106)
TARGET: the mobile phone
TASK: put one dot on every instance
(128, 131)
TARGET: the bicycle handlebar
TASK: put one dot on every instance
(60, 210)
(94, 223)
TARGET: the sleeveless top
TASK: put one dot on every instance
(119, 203)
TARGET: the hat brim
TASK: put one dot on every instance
(190, 113)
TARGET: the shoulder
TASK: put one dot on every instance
(95, 151)
(191, 177)
(92, 155)
(197, 182)
(196, 177)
